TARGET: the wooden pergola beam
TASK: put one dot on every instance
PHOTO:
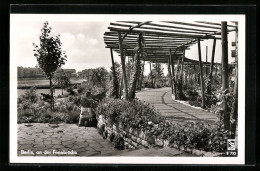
(169, 26)
(161, 29)
(160, 33)
(211, 23)
(195, 25)
(146, 41)
(148, 44)
(132, 27)
(110, 34)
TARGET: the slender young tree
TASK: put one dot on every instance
(49, 55)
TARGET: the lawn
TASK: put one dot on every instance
(43, 82)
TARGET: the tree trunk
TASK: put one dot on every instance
(62, 91)
(51, 94)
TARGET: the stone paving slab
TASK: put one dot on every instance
(66, 137)
(173, 110)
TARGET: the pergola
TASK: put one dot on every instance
(166, 42)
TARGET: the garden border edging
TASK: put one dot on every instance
(135, 139)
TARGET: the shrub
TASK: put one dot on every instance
(69, 106)
(81, 89)
(105, 134)
(58, 117)
(119, 142)
(71, 91)
(111, 137)
(30, 95)
(86, 102)
(73, 116)
(101, 129)
(133, 113)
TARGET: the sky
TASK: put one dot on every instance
(82, 40)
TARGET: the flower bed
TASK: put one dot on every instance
(140, 125)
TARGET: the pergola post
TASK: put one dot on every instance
(123, 65)
(173, 74)
(182, 61)
(178, 68)
(201, 76)
(115, 80)
(224, 62)
(156, 75)
(206, 71)
(235, 103)
(211, 66)
(121, 86)
(151, 74)
(141, 76)
(170, 73)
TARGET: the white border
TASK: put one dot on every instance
(240, 159)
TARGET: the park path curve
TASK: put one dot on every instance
(173, 110)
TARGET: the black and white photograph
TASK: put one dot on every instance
(127, 89)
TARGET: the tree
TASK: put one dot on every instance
(63, 79)
(49, 54)
(157, 73)
(96, 77)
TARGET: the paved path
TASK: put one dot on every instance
(84, 140)
(173, 110)
(43, 140)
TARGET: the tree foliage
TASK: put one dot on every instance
(96, 77)
(49, 54)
